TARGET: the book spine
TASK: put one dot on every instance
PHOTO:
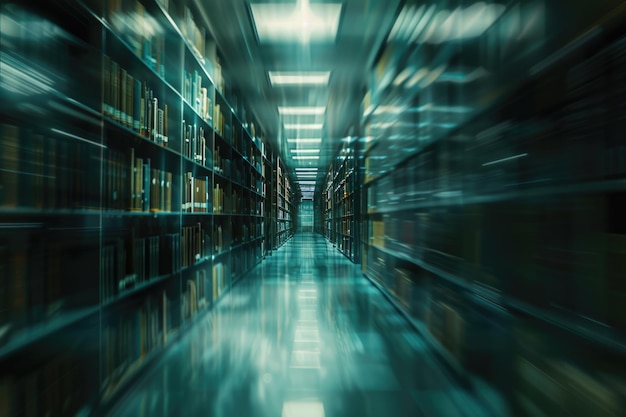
(155, 120)
(147, 186)
(165, 125)
(168, 191)
(137, 96)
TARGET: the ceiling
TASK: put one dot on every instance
(248, 57)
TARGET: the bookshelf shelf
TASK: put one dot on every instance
(137, 289)
(25, 337)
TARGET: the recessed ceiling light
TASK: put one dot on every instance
(306, 169)
(305, 151)
(300, 22)
(304, 140)
(304, 111)
(313, 126)
(299, 78)
(305, 157)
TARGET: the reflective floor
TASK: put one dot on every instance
(303, 335)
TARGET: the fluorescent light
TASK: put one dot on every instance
(305, 151)
(299, 78)
(304, 111)
(304, 140)
(300, 22)
(312, 126)
(305, 157)
(303, 409)
(306, 169)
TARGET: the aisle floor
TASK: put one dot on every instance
(302, 335)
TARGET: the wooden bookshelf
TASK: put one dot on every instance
(135, 188)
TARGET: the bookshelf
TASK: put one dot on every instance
(498, 235)
(340, 200)
(135, 189)
(286, 207)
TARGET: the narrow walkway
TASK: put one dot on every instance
(303, 335)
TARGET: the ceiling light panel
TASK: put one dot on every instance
(302, 111)
(311, 126)
(296, 22)
(305, 140)
(299, 78)
(305, 157)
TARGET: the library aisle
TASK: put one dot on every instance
(304, 334)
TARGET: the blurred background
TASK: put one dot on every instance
(162, 160)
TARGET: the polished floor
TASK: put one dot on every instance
(303, 335)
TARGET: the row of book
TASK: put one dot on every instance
(47, 171)
(543, 376)
(132, 184)
(196, 199)
(195, 34)
(140, 30)
(132, 103)
(221, 165)
(222, 238)
(576, 136)
(196, 195)
(128, 339)
(195, 144)
(197, 96)
(201, 289)
(221, 124)
(195, 244)
(127, 263)
(558, 256)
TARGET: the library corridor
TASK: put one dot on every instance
(312, 208)
(303, 335)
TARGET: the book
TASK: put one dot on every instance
(147, 186)
(169, 185)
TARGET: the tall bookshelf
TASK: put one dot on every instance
(340, 200)
(286, 208)
(498, 235)
(134, 191)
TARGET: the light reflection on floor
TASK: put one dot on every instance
(304, 335)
